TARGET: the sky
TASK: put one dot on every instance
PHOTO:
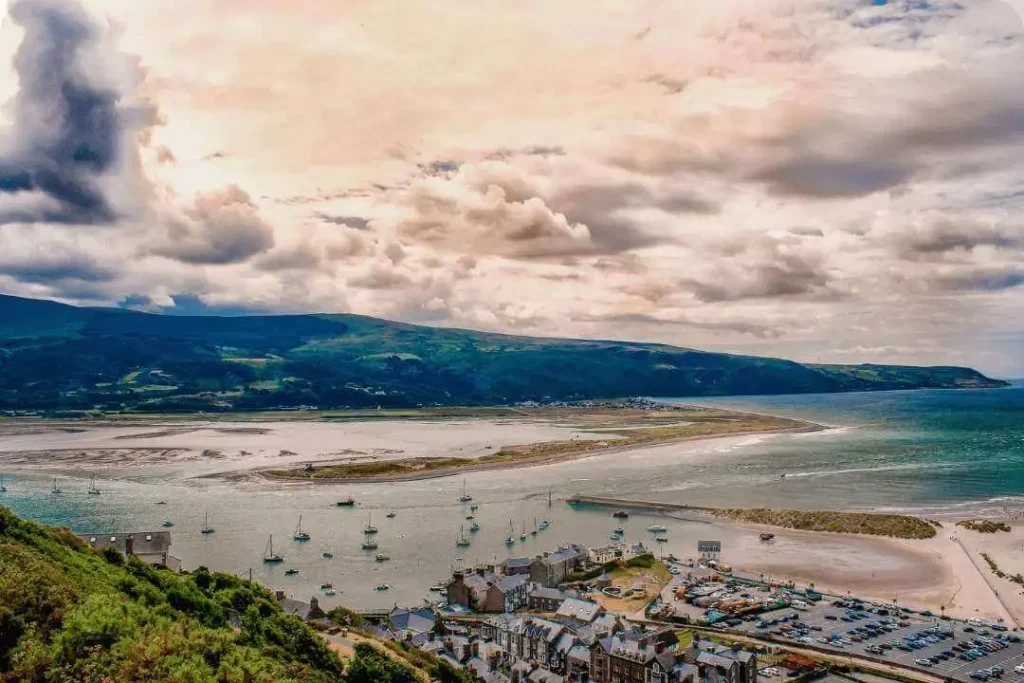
(834, 181)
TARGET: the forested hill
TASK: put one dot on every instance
(55, 357)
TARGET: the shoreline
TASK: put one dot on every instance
(472, 466)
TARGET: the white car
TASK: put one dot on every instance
(1019, 668)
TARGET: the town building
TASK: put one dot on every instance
(634, 657)
(151, 547)
(573, 611)
(614, 552)
(720, 664)
(303, 610)
(516, 565)
(551, 569)
(546, 599)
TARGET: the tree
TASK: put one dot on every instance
(370, 666)
(443, 672)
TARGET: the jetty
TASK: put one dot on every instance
(625, 504)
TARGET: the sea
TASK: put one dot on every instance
(935, 453)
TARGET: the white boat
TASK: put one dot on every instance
(465, 497)
(330, 591)
(93, 489)
(544, 524)
(299, 534)
(207, 529)
(269, 556)
(511, 539)
(522, 534)
(657, 528)
(391, 515)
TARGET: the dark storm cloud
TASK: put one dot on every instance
(47, 268)
(356, 222)
(70, 118)
(943, 236)
(821, 177)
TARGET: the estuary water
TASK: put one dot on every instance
(927, 451)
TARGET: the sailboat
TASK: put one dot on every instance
(370, 529)
(269, 556)
(463, 542)
(3, 489)
(474, 507)
(93, 489)
(207, 529)
(368, 542)
(474, 527)
(55, 489)
(511, 539)
(465, 497)
(544, 524)
(534, 532)
(299, 534)
(522, 534)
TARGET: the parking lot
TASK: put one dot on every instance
(921, 641)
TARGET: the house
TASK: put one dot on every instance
(530, 639)
(151, 547)
(303, 610)
(574, 611)
(720, 664)
(516, 565)
(551, 569)
(469, 588)
(407, 624)
(546, 599)
(634, 657)
(577, 664)
(616, 552)
(507, 595)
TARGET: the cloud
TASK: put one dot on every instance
(357, 222)
(221, 227)
(48, 266)
(75, 120)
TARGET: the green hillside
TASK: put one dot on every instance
(55, 357)
(69, 614)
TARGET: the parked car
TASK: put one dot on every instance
(923, 662)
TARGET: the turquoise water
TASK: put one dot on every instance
(926, 450)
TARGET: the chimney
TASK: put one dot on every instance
(279, 595)
(314, 604)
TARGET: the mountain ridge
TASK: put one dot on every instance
(55, 356)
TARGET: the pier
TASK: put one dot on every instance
(580, 499)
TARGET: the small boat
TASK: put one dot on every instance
(474, 527)
(657, 529)
(463, 542)
(54, 490)
(325, 586)
(329, 591)
(207, 529)
(511, 538)
(522, 534)
(93, 489)
(767, 537)
(168, 523)
(369, 529)
(381, 557)
(438, 588)
(620, 531)
(368, 542)
(3, 488)
(470, 518)
(661, 539)
(382, 587)
(544, 524)
(291, 572)
(391, 515)
(465, 497)
(327, 554)
(620, 514)
(474, 507)
(534, 532)
(347, 503)
(269, 556)
(299, 534)
(161, 502)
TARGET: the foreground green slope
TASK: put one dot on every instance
(56, 357)
(68, 614)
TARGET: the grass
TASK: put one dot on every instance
(613, 423)
(896, 526)
(1014, 578)
(983, 526)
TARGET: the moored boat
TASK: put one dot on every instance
(291, 572)
(620, 514)
(657, 528)
(381, 557)
(269, 556)
(207, 529)
(766, 537)
(347, 503)
(93, 489)
(299, 534)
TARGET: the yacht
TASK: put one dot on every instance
(465, 497)
(207, 529)
(511, 539)
(299, 534)
(3, 489)
(657, 529)
(381, 557)
(93, 489)
(522, 534)
(463, 542)
(391, 515)
(368, 542)
(369, 529)
(474, 527)
(55, 489)
(347, 503)
(291, 572)
(269, 556)
(534, 532)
